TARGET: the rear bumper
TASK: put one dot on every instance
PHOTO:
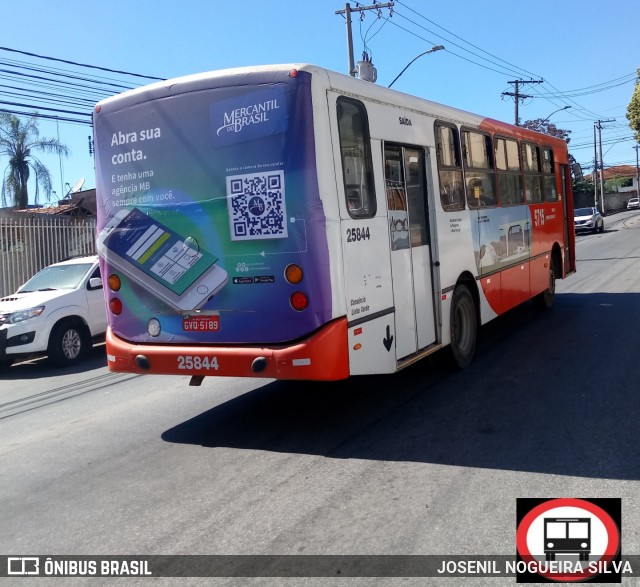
(323, 356)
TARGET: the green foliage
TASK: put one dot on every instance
(19, 140)
(613, 184)
(583, 187)
(633, 109)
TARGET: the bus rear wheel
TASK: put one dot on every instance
(464, 326)
(547, 297)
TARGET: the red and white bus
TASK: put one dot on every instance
(291, 222)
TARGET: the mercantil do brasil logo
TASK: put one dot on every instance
(249, 116)
(238, 118)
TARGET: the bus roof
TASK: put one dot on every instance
(332, 80)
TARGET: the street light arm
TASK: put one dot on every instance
(432, 50)
(550, 115)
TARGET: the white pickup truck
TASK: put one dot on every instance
(58, 312)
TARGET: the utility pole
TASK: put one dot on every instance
(637, 172)
(347, 12)
(595, 169)
(598, 125)
(518, 96)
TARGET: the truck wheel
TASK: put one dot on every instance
(67, 343)
(464, 326)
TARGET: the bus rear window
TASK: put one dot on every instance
(357, 165)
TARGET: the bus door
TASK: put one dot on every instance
(406, 193)
(569, 229)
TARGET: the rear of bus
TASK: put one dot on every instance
(212, 232)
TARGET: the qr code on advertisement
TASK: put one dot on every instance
(256, 206)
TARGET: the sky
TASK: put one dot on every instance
(586, 55)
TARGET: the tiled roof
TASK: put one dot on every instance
(618, 171)
(52, 210)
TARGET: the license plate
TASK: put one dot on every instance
(201, 323)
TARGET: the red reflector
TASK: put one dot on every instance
(293, 73)
(299, 301)
(115, 305)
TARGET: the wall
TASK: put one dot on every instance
(29, 242)
(613, 202)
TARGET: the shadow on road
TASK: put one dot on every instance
(39, 367)
(549, 392)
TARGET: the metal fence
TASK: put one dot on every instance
(29, 243)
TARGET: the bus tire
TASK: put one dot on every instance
(547, 297)
(67, 343)
(464, 326)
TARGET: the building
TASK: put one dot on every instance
(77, 204)
(627, 176)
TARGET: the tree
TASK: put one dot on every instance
(19, 140)
(615, 183)
(584, 187)
(633, 109)
(548, 128)
(544, 126)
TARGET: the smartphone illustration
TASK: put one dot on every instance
(172, 267)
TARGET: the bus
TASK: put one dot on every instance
(567, 536)
(291, 222)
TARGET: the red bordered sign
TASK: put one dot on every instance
(568, 529)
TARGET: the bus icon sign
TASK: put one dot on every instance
(568, 540)
(567, 536)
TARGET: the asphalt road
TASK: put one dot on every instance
(428, 461)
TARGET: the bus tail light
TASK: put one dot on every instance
(115, 305)
(299, 301)
(114, 282)
(293, 273)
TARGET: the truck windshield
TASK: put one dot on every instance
(57, 277)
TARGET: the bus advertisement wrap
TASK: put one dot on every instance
(205, 195)
(289, 222)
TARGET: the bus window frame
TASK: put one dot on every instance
(509, 171)
(532, 175)
(367, 196)
(549, 175)
(476, 174)
(458, 204)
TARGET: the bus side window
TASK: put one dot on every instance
(357, 164)
(479, 175)
(509, 172)
(548, 169)
(532, 173)
(449, 167)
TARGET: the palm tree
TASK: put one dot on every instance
(18, 142)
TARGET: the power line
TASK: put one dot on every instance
(513, 68)
(508, 68)
(46, 116)
(19, 105)
(81, 64)
(518, 96)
